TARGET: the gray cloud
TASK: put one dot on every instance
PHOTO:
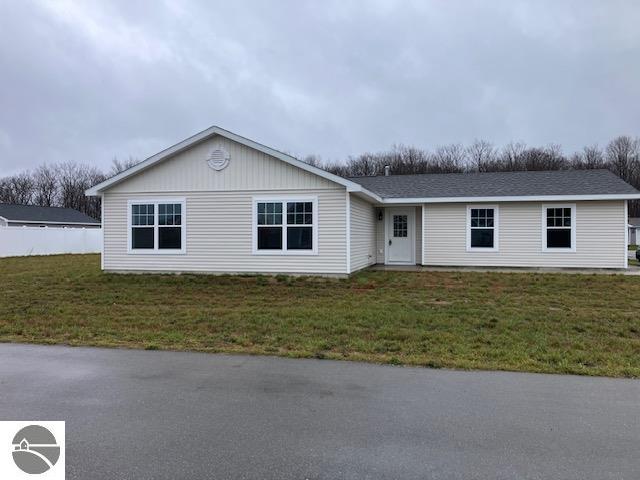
(87, 81)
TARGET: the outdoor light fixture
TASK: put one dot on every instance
(380, 214)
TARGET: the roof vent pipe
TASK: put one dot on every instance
(387, 170)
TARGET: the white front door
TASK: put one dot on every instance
(400, 235)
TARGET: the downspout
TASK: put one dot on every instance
(348, 231)
(626, 234)
(103, 231)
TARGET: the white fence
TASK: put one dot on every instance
(20, 241)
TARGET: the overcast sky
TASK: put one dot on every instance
(88, 81)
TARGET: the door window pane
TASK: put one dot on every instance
(400, 226)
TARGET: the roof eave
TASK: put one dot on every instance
(367, 193)
(521, 198)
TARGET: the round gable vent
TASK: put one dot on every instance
(218, 159)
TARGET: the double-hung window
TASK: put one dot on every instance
(285, 226)
(157, 226)
(482, 228)
(559, 228)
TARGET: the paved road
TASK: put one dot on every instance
(165, 415)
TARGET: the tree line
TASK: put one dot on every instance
(64, 184)
(621, 156)
(59, 185)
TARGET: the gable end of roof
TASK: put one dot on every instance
(210, 132)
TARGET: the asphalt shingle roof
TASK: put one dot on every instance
(497, 184)
(33, 213)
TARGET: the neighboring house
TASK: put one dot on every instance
(33, 230)
(12, 215)
(218, 202)
(634, 230)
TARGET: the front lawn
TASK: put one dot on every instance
(561, 323)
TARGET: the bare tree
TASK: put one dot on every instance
(45, 180)
(364, 165)
(404, 160)
(589, 158)
(450, 158)
(6, 195)
(341, 169)
(545, 158)
(18, 189)
(511, 156)
(74, 180)
(313, 160)
(623, 156)
(118, 166)
(482, 156)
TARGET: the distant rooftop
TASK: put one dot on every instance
(34, 213)
(497, 184)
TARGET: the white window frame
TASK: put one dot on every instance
(284, 199)
(545, 206)
(155, 250)
(496, 228)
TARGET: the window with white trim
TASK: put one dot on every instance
(482, 228)
(285, 226)
(559, 227)
(156, 226)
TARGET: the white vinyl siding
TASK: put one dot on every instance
(363, 234)
(600, 236)
(248, 169)
(219, 235)
(418, 235)
(219, 209)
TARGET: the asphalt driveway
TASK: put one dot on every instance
(167, 415)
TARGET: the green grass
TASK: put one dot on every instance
(633, 247)
(538, 322)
